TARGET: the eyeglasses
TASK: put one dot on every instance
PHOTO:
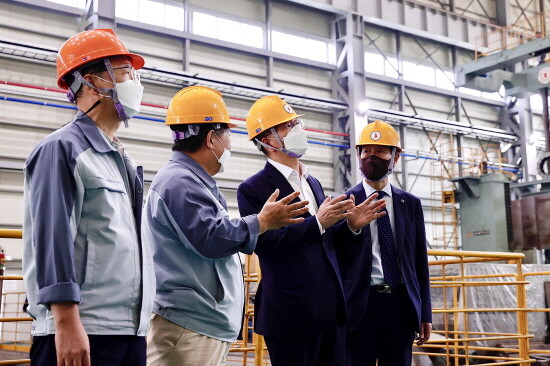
(295, 122)
(127, 69)
(123, 70)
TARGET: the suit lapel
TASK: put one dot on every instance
(399, 217)
(277, 179)
(316, 189)
(359, 193)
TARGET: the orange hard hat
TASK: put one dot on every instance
(88, 46)
(268, 112)
(197, 104)
(379, 133)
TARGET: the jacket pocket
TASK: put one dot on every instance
(102, 183)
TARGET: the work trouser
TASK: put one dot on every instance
(170, 344)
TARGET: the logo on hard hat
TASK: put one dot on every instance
(288, 109)
(208, 118)
(258, 130)
(375, 135)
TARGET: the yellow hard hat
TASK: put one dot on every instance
(268, 112)
(197, 104)
(379, 133)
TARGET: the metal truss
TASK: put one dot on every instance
(437, 124)
(348, 82)
(517, 119)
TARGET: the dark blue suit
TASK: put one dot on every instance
(405, 308)
(299, 305)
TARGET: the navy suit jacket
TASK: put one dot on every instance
(356, 260)
(300, 293)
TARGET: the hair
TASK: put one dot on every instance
(260, 137)
(193, 143)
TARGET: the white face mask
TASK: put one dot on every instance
(225, 156)
(295, 142)
(129, 94)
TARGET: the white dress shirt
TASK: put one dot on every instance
(299, 183)
(377, 275)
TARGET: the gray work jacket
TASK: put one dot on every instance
(83, 204)
(199, 274)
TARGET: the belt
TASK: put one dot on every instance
(383, 288)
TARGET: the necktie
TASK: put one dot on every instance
(390, 266)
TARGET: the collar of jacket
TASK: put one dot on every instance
(92, 133)
(189, 163)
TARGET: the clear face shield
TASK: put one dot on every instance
(294, 144)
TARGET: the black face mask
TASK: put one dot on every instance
(374, 168)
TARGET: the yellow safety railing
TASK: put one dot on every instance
(456, 342)
(11, 234)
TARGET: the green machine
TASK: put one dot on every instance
(485, 212)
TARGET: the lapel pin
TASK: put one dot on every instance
(402, 201)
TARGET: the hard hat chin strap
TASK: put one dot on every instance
(390, 167)
(110, 92)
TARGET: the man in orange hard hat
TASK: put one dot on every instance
(299, 306)
(386, 277)
(200, 297)
(89, 279)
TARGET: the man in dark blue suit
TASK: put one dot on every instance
(386, 278)
(299, 305)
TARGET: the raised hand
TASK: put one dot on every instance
(333, 210)
(366, 212)
(275, 214)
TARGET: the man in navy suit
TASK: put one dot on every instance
(299, 305)
(386, 278)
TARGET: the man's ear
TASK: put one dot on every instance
(89, 78)
(396, 159)
(209, 140)
(265, 140)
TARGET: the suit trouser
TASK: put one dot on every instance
(387, 331)
(323, 349)
(105, 350)
(169, 344)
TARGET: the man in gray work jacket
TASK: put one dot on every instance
(90, 282)
(200, 295)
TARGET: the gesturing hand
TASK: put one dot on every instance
(275, 214)
(366, 212)
(333, 210)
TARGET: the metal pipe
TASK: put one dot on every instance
(11, 233)
(455, 160)
(5, 82)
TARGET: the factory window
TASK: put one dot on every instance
(374, 62)
(536, 102)
(391, 67)
(227, 30)
(298, 46)
(377, 64)
(445, 79)
(421, 74)
(81, 4)
(165, 13)
(475, 93)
